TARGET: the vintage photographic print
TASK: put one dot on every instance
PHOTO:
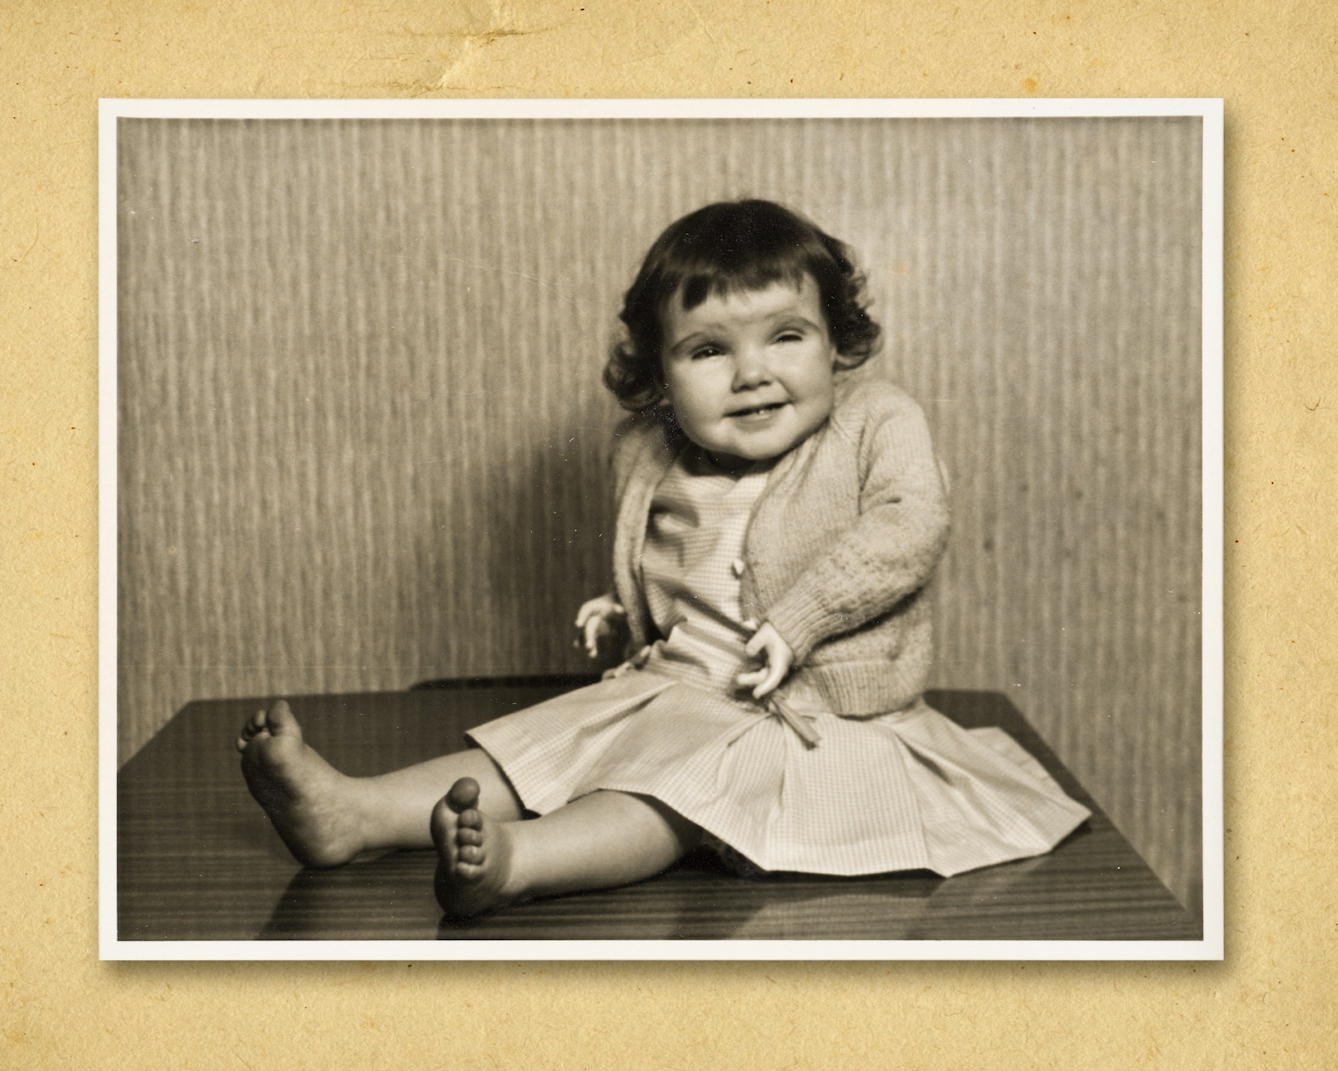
(661, 529)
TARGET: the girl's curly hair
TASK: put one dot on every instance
(725, 248)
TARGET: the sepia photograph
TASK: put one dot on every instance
(661, 530)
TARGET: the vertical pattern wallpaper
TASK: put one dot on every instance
(362, 438)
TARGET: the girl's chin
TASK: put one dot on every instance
(732, 462)
(736, 457)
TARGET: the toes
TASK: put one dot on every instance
(280, 720)
(465, 835)
(470, 853)
(441, 824)
(254, 724)
(464, 795)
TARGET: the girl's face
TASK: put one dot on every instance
(749, 375)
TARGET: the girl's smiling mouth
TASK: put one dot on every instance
(756, 412)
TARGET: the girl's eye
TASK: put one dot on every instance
(705, 351)
(790, 336)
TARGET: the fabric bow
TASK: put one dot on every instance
(802, 724)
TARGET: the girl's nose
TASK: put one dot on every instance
(750, 370)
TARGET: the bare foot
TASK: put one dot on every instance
(310, 802)
(474, 866)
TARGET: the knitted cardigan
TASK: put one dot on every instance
(840, 549)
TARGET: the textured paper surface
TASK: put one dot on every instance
(1268, 1004)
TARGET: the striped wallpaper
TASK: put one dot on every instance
(361, 432)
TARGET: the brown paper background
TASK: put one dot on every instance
(1268, 1005)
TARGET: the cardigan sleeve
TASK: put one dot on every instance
(892, 549)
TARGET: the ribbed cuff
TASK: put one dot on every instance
(803, 621)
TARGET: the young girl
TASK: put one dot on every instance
(778, 525)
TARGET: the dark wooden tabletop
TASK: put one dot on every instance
(198, 861)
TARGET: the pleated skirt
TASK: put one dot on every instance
(905, 790)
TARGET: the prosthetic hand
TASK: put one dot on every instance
(596, 620)
(777, 657)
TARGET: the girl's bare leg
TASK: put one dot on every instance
(595, 842)
(326, 817)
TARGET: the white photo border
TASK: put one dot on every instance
(1209, 947)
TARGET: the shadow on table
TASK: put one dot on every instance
(385, 898)
(390, 897)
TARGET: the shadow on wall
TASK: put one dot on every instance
(537, 523)
(557, 526)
